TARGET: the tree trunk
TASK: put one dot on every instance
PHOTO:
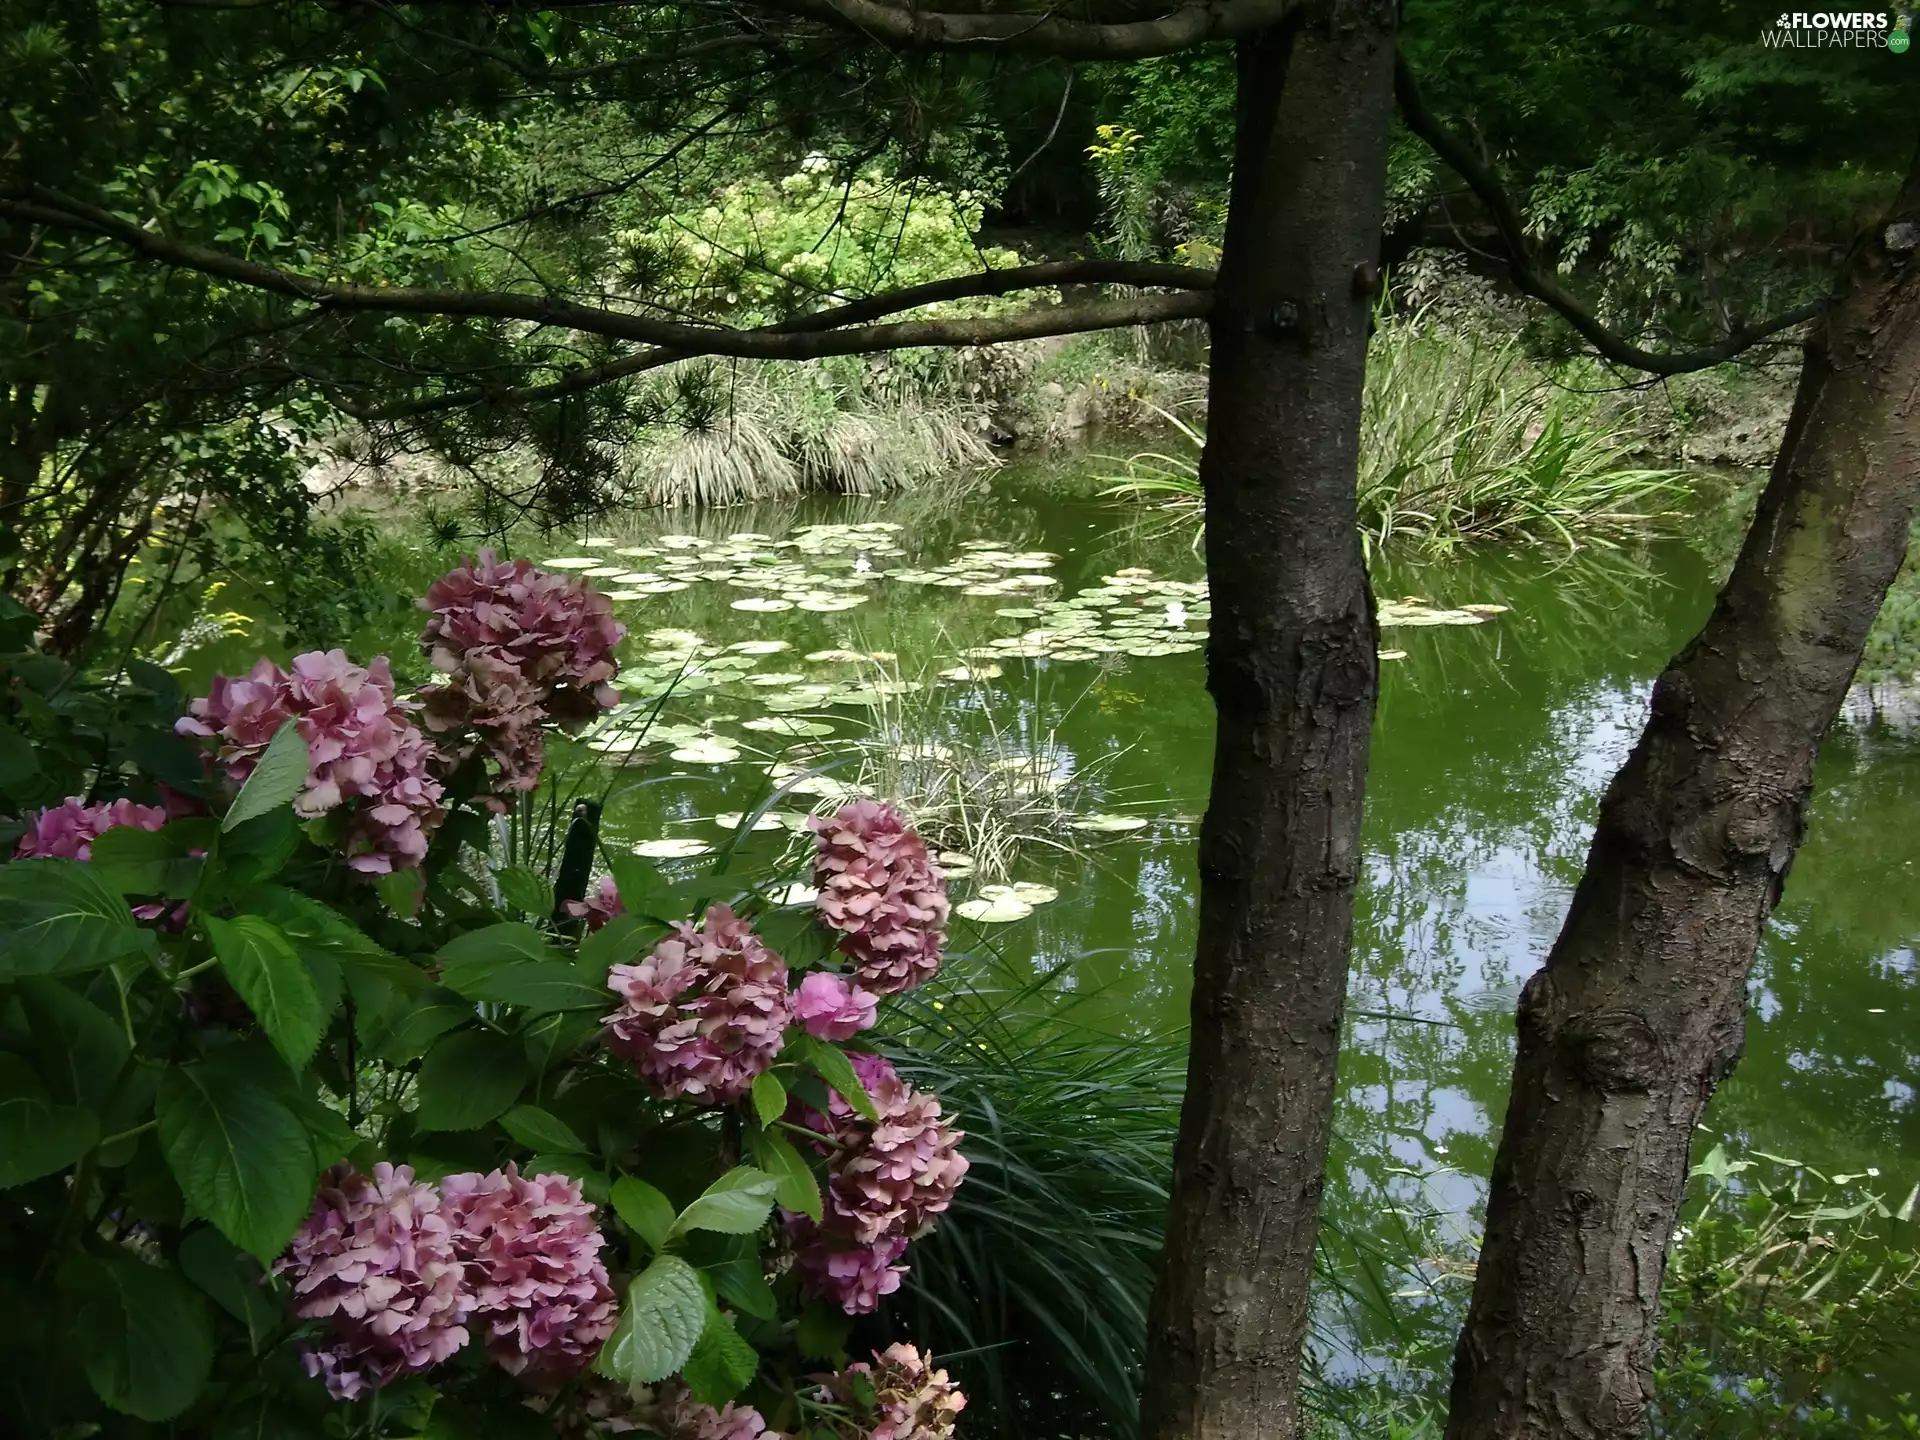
(1640, 1009)
(1293, 674)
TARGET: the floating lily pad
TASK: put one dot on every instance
(1109, 824)
(972, 672)
(1024, 892)
(761, 604)
(759, 647)
(788, 725)
(705, 752)
(571, 562)
(776, 679)
(999, 910)
(732, 820)
(672, 849)
(1391, 654)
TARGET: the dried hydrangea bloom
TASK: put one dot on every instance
(375, 1258)
(531, 1251)
(704, 1013)
(880, 888)
(557, 634)
(67, 831)
(361, 746)
(504, 712)
(672, 1413)
(601, 904)
(833, 1009)
(910, 1400)
(886, 1183)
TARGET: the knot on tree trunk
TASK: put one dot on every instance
(1617, 1052)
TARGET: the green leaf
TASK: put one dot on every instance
(742, 1283)
(830, 1063)
(148, 1347)
(79, 1047)
(645, 1211)
(798, 1190)
(722, 1364)
(469, 1078)
(538, 1130)
(822, 1332)
(58, 918)
(209, 1260)
(401, 891)
(38, 1137)
(273, 980)
(280, 774)
(414, 1032)
(512, 964)
(634, 880)
(665, 1313)
(525, 890)
(769, 1098)
(153, 862)
(320, 929)
(621, 941)
(735, 1204)
(241, 1155)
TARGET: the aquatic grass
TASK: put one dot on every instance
(1462, 440)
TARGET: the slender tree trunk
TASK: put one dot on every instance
(1293, 673)
(1640, 1010)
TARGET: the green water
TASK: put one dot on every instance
(1492, 744)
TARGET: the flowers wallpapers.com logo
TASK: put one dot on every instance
(1840, 30)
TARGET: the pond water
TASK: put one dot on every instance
(1495, 736)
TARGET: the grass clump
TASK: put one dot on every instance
(1463, 439)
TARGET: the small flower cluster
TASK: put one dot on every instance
(704, 1013)
(520, 647)
(900, 1397)
(879, 887)
(597, 1408)
(886, 1184)
(361, 746)
(67, 831)
(403, 1269)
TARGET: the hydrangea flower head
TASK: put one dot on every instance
(361, 746)
(835, 1267)
(879, 887)
(910, 1400)
(704, 1013)
(832, 1009)
(67, 831)
(375, 1257)
(601, 904)
(531, 1253)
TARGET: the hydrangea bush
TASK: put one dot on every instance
(317, 1118)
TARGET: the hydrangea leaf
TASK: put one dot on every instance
(662, 1321)
(280, 775)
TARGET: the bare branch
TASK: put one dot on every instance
(1532, 279)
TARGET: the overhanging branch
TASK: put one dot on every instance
(1532, 279)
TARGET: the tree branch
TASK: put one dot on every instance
(1533, 280)
(806, 338)
(1180, 28)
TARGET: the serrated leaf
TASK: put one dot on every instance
(740, 1281)
(209, 1260)
(274, 981)
(154, 862)
(822, 1332)
(280, 774)
(512, 964)
(830, 1063)
(38, 1137)
(241, 1155)
(526, 891)
(665, 1313)
(644, 1210)
(413, 1033)
(797, 1190)
(469, 1078)
(722, 1364)
(621, 941)
(735, 1204)
(538, 1130)
(315, 928)
(58, 918)
(148, 1346)
(769, 1098)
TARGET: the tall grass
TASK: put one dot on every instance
(1464, 439)
(729, 435)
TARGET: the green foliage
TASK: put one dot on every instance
(1787, 1289)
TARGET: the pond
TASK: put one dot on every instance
(1028, 657)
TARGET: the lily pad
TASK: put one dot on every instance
(672, 849)
(1110, 824)
(732, 819)
(761, 604)
(759, 647)
(705, 752)
(1024, 892)
(788, 725)
(999, 910)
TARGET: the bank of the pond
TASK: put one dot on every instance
(1053, 642)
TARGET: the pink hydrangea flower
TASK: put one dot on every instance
(671, 1412)
(504, 711)
(704, 1013)
(67, 831)
(880, 888)
(531, 1250)
(886, 1183)
(910, 1399)
(376, 1258)
(361, 746)
(601, 904)
(832, 1009)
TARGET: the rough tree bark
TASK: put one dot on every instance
(1293, 673)
(1640, 1010)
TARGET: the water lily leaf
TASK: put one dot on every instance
(1110, 824)
(672, 849)
(705, 752)
(997, 911)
